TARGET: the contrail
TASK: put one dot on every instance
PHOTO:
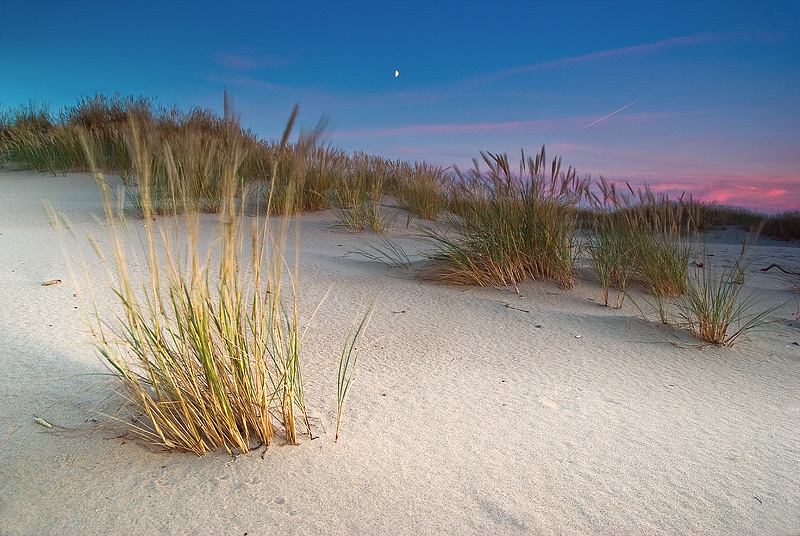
(612, 113)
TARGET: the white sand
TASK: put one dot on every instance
(464, 418)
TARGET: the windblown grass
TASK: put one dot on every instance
(210, 357)
(33, 137)
(792, 277)
(659, 238)
(301, 177)
(386, 252)
(783, 226)
(790, 274)
(645, 238)
(511, 227)
(421, 190)
(347, 363)
(206, 346)
(611, 247)
(500, 227)
(714, 309)
(359, 195)
(712, 216)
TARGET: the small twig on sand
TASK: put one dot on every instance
(509, 306)
(771, 266)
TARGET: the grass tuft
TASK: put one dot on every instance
(642, 237)
(205, 345)
(713, 308)
(209, 354)
(387, 252)
(347, 363)
(611, 249)
(511, 227)
(359, 194)
(421, 190)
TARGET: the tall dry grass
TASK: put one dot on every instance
(421, 189)
(207, 343)
(611, 248)
(359, 195)
(510, 227)
(34, 137)
(644, 238)
(714, 308)
(500, 227)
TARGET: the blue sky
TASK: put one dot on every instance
(706, 94)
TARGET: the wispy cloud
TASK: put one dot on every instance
(537, 125)
(329, 98)
(253, 82)
(241, 61)
(247, 61)
(672, 42)
(461, 128)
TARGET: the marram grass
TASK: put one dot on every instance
(359, 194)
(642, 238)
(610, 247)
(714, 309)
(504, 227)
(510, 227)
(421, 189)
(205, 345)
(34, 137)
(209, 355)
(347, 364)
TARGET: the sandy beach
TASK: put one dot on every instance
(473, 410)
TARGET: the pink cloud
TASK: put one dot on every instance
(758, 193)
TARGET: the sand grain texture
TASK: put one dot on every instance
(464, 417)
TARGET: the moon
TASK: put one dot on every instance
(396, 73)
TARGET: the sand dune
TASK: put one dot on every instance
(475, 411)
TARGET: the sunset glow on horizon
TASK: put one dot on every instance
(701, 98)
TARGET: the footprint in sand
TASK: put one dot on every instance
(549, 402)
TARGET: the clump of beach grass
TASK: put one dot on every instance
(32, 138)
(359, 195)
(206, 346)
(195, 164)
(386, 252)
(306, 173)
(783, 226)
(421, 189)
(610, 246)
(510, 227)
(664, 245)
(713, 308)
(326, 167)
(208, 356)
(644, 238)
(651, 239)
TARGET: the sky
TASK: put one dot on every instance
(697, 97)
